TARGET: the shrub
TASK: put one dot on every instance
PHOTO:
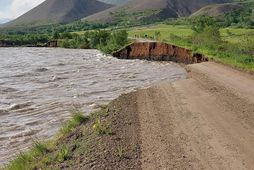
(200, 23)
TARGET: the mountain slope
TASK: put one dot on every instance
(59, 11)
(114, 2)
(219, 10)
(162, 8)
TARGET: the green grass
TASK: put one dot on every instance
(182, 33)
(77, 119)
(64, 147)
(24, 160)
(166, 30)
(63, 154)
(43, 153)
(236, 34)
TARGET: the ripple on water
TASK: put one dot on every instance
(38, 87)
(41, 69)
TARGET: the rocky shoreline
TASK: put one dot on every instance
(7, 43)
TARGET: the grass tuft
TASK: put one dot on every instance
(77, 119)
(24, 160)
(63, 154)
(120, 152)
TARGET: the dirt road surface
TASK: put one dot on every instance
(204, 122)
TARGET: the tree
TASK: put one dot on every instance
(206, 32)
(200, 23)
(56, 35)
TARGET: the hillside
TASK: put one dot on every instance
(59, 11)
(114, 2)
(219, 10)
(145, 8)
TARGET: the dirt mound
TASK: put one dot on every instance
(159, 51)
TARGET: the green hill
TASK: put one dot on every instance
(162, 9)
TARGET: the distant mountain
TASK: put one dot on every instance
(59, 11)
(115, 2)
(157, 8)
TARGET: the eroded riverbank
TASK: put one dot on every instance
(38, 87)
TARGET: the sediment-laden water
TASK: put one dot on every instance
(39, 87)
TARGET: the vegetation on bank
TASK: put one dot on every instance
(104, 40)
(26, 40)
(44, 155)
(102, 140)
(231, 46)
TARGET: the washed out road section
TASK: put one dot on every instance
(38, 87)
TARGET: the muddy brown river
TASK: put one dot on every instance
(39, 87)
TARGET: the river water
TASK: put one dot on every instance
(39, 87)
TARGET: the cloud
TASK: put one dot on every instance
(19, 7)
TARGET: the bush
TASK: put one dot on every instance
(200, 23)
(66, 35)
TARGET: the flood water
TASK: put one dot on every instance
(39, 87)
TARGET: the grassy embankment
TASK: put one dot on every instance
(42, 154)
(102, 140)
(233, 39)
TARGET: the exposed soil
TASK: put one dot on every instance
(160, 52)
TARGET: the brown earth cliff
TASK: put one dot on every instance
(160, 52)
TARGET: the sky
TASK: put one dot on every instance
(10, 9)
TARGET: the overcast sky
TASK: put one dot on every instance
(13, 8)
